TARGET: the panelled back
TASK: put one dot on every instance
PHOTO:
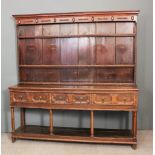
(94, 52)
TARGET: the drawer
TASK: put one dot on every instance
(40, 97)
(60, 99)
(81, 98)
(125, 99)
(102, 99)
(19, 97)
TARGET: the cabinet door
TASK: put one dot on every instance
(51, 30)
(51, 52)
(30, 51)
(124, 50)
(105, 50)
(86, 51)
(69, 51)
(29, 31)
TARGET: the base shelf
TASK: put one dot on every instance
(111, 136)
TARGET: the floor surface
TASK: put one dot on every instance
(28, 147)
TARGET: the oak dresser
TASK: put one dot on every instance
(76, 61)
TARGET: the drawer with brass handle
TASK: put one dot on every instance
(19, 97)
(125, 99)
(40, 97)
(102, 99)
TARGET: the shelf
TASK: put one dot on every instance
(72, 66)
(78, 36)
(114, 136)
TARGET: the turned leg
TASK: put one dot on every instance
(12, 123)
(22, 117)
(134, 127)
(92, 123)
(51, 121)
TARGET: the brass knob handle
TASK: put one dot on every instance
(103, 100)
(40, 97)
(125, 99)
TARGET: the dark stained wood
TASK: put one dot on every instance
(51, 51)
(22, 117)
(119, 75)
(124, 50)
(29, 31)
(30, 51)
(105, 51)
(76, 61)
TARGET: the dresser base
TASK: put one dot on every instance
(109, 136)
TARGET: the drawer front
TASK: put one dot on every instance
(19, 97)
(60, 99)
(40, 97)
(125, 99)
(102, 98)
(81, 98)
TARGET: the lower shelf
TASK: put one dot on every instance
(111, 136)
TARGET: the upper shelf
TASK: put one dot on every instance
(78, 36)
(76, 17)
(64, 66)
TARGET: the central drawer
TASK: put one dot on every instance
(102, 98)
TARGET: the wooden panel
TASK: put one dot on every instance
(68, 29)
(114, 75)
(51, 51)
(125, 28)
(39, 75)
(60, 99)
(19, 97)
(45, 20)
(27, 21)
(124, 50)
(40, 97)
(81, 99)
(29, 31)
(69, 75)
(105, 28)
(83, 19)
(30, 51)
(86, 75)
(86, 50)
(102, 18)
(105, 50)
(86, 28)
(51, 30)
(69, 51)
(64, 20)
